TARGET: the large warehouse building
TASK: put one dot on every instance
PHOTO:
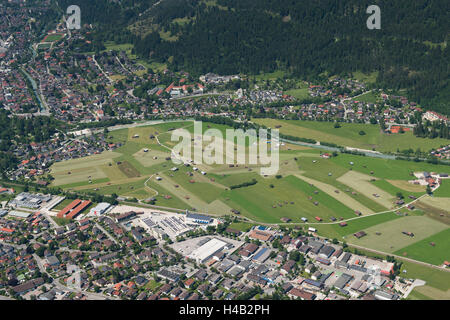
(206, 251)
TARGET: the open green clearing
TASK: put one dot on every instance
(241, 226)
(348, 135)
(369, 97)
(290, 195)
(444, 188)
(390, 237)
(424, 251)
(438, 279)
(301, 93)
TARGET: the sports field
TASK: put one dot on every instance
(52, 37)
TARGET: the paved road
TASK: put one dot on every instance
(104, 73)
(416, 283)
(106, 232)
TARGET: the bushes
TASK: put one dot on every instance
(244, 184)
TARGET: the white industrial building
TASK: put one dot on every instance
(100, 208)
(206, 251)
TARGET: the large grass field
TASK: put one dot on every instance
(368, 97)
(444, 188)
(391, 237)
(82, 169)
(437, 279)
(348, 135)
(307, 186)
(424, 251)
(290, 197)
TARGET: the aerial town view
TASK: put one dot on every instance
(224, 150)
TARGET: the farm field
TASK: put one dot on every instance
(392, 239)
(439, 280)
(361, 182)
(290, 197)
(444, 189)
(80, 169)
(424, 251)
(368, 97)
(126, 172)
(430, 293)
(348, 135)
(438, 202)
(386, 169)
(393, 190)
(416, 295)
(320, 169)
(301, 93)
(341, 196)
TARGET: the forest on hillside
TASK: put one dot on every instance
(303, 38)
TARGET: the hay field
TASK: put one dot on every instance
(361, 182)
(392, 239)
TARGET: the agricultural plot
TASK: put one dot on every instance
(361, 182)
(356, 225)
(197, 184)
(128, 169)
(436, 279)
(151, 157)
(301, 93)
(406, 186)
(442, 204)
(444, 188)
(388, 236)
(201, 201)
(393, 190)
(434, 249)
(320, 169)
(339, 196)
(290, 197)
(349, 135)
(79, 170)
(386, 169)
(368, 97)
(230, 179)
(430, 293)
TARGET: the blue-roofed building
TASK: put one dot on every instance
(262, 255)
(314, 283)
(195, 218)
